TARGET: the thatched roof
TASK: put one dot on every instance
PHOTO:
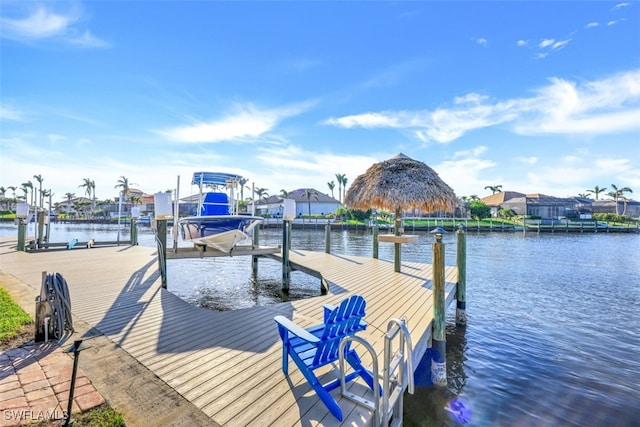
(401, 183)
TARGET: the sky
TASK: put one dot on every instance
(533, 96)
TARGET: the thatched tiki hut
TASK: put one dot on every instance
(398, 184)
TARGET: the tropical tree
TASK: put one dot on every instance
(39, 179)
(308, 192)
(13, 189)
(479, 209)
(583, 195)
(26, 186)
(89, 186)
(47, 193)
(618, 193)
(69, 196)
(242, 182)
(124, 185)
(597, 190)
(340, 177)
(331, 185)
(261, 192)
(284, 193)
(494, 188)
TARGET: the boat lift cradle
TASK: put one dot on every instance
(397, 375)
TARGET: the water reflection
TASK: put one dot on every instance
(428, 405)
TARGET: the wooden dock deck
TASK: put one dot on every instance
(228, 363)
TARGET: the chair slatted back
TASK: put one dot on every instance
(344, 320)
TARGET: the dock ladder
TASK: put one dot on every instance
(397, 374)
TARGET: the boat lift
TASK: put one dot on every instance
(397, 374)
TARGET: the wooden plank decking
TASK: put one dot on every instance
(228, 363)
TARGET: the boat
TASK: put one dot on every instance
(217, 222)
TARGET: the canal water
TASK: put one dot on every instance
(553, 335)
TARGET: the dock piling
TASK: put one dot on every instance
(461, 288)
(22, 235)
(375, 242)
(286, 241)
(438, 363)
(256, 244)
(327, 238)
(161, 236)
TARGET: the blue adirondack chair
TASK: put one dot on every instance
(318, 346)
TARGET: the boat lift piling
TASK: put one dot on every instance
(439, 343)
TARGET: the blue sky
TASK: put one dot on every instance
(535, 96)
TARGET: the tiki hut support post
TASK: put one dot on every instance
(397, 230)
(461, 288)
(438, 363)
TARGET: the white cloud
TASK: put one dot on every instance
(244, 123)
(40, 24)
(621, 5)
(592, 25)
(482, 41)
(8, 113)
(46, 24)
(367, 120)
(522, 43)
(606, 106)
(545, 43)
(560, 44)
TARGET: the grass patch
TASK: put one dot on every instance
(13, 318)
(102, 416)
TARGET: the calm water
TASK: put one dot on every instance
(553, 335)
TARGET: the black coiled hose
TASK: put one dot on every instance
(60, 303)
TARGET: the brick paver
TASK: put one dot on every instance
(34, 385)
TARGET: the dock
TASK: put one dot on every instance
(228, 363)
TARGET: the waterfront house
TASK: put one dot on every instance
(308, 201)
(539, 205)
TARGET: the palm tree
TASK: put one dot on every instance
(13, 189)
(344, 185)
(284, 193)
(242, 182)
(583, 195)
(597, 190)
(331, 185)
(340, 177)
(39, 179)
(494, 188)
(89, 186)
(308, 192)
(69, 197)
(618, 193)
(261, 192)
(26, 186)
(124, 185)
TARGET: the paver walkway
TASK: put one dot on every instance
(34, 385)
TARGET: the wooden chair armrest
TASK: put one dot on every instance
(295, 329)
